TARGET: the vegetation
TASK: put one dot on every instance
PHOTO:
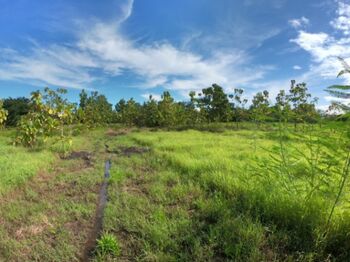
(208, 179)
(16, 107)
(3, 114)
(107, 245)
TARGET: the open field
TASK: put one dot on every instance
(223, 195)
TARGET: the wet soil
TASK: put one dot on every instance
(128, 151)
(96, 230)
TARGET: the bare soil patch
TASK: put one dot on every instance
(128, 151)
(120, 132)
(84, 155)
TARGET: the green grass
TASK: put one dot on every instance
(208, 196)
(214, 194)
(18, 164)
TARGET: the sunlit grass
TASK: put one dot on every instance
(17, 164)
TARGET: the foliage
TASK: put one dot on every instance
(303, 110)
(128, 112)
(341, 91)
(48, 113)
(16, 107)
(239, 103)
(149, 113)
(282, 106)
(3, 114)
(260, 107)
(214, 104)
(94, 110)
(107, 245)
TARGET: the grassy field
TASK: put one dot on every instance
(192, 195)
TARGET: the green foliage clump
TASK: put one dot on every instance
(341, 91)
(107, 245)
(16, 107)
(3, 114)
(94, 110)
(49, 114)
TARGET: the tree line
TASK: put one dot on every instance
(210, 105)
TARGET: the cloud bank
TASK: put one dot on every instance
(101, 47)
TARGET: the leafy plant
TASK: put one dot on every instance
(341, 91)
(260, 107)
(48, 114)
(3, 114)
(16, 107)
(108, 245)
(238, 104)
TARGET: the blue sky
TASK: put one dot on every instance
(133, 48)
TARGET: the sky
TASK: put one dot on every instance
(134, 48)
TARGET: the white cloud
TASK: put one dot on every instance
(56, 66)
(324, 49)
(297, 67)
(297, 23)
(336, 99)
(342, 22)
(102, 47)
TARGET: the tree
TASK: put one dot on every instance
(16, 108)
(260, 107)
(304, 109)
(214, 103)
(48, 113)
(94, 109)
(149, 113)
(167, 111)
(341, 91)
(83, 99)
(282, 106)
(238, 105)
(128, 112)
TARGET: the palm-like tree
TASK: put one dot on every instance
(341, 91)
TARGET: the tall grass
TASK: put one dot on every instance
(293, 184)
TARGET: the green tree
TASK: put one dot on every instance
(128, 112)
(149, 113)
(214, 103)
(83, 99)
(282, 107)
(239, 103)
(303, 107)
(94, 109)
(16, 107)
(260, 107)
(167, 111)
(48, 113)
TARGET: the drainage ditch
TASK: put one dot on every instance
(95, 232)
